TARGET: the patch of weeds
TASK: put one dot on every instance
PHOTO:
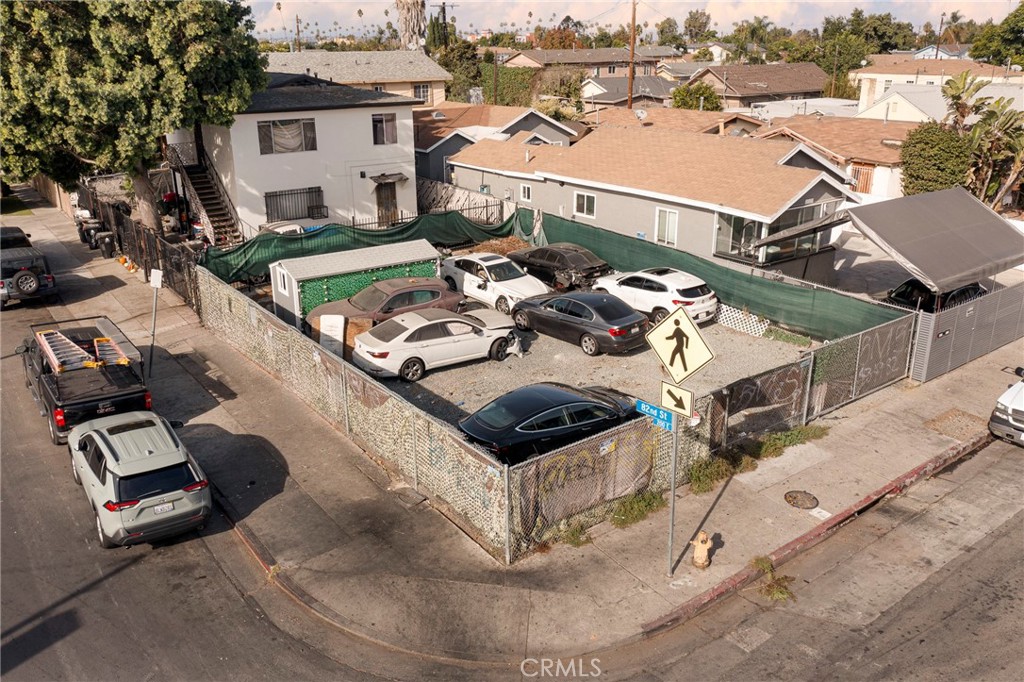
(705, 473)
(542, 547)
(576, 535)
(746, 463)
(775, 587)
(774, 444)
(636, 507)
(779, 334)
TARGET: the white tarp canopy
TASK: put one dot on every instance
(946, 239)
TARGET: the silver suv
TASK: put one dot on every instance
(141, 482)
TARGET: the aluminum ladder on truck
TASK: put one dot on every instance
(109, 353)
(63, 353)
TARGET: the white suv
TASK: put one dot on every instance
(141, 482)
(659, 291)
(491, 279)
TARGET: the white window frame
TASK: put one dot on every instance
(378, 87)
(390, 128)
(428, 98)
(526, 193)
(308, 133)
(671, 215)
(576, 202)
(282, 282)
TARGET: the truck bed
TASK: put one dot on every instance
(93, 383)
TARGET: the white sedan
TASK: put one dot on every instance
(491, 279)
(659, 291)
(407, 345)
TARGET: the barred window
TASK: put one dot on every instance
(283, 137)
(295, 204)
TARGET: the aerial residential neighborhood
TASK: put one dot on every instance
(498, 341)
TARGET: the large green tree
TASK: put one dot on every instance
(459, 59)
(699, 95)
(933, 158)
(1004, 42)
(696, 25)
(94, 85)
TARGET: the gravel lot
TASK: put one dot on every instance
(455, 392)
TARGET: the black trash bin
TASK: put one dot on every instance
(106, 242)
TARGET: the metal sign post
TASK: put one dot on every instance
(156, 278)
(672, 502)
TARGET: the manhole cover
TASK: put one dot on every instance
(801, 499)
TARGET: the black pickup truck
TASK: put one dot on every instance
(81, 369)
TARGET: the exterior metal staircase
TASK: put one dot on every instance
(215, 205)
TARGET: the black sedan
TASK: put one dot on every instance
(542, 417)
(598, 322)
(561, 265)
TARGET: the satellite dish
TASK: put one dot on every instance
(640, 114)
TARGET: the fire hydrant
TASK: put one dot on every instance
(701, 548)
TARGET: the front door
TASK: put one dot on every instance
(387, 203)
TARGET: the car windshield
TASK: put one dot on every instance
(14, 239)
(694, 292)
(368, 299)
(158, 482)
(502, 272)
(583, 258)
(388, 331)
(912, 293)
(613, 309)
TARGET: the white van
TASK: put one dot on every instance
(1007, 421)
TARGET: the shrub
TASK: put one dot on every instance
(705, 473)
(774, 444)
(636, 507)
(576, 535)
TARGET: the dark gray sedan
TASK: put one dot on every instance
(598, 322)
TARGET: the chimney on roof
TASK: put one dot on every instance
(307, 70)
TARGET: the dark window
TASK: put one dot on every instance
(388, 331)
(613, 309)
(552, 419)
(295, 204)
(559, 305)
(695, 292)
(466, 265)
(577, 309)
(633, 282)
(93, 457)
(588, 412)
(166, 480)
(411, 298)
(429, 332)
(283, 137)
(385, 129)
(131, 426)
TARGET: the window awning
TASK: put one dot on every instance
(946, 239)
(800, 230)
(388, 178)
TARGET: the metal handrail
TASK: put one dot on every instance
(174, 158)
(221, 189)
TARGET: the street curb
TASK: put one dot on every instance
(790, 550)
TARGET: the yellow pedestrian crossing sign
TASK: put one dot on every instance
(677, 399)
(678, 344)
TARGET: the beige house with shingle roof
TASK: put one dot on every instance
(709, 195)
(741, 85)
(409, 73)
(868, 150)
(875, 81)
(689, 120)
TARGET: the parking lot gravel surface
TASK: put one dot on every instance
(455, 392)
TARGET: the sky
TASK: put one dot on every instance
(473, 15)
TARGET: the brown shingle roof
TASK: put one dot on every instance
(846, 139)
(733, 172)
(946, 67)
(761, 79)
(429, 130)
(687, 120)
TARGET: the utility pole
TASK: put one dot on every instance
(632, 55)
(494, 82)
(298, 33)
(444, 22)
(835, 66)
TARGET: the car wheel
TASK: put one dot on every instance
(451, 284)
(589, 345)
(659, 315)
(74, 470)
(522, 321)
(105, 542)
(502, 305)
(26, 282)
(411, 370)
(499, 349)
(54, 433)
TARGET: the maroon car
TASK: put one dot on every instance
(389, 297)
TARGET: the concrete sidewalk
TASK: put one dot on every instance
(370, 555)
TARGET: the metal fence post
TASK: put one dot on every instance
(725, 419)
(856, 368)
(672, 496)
(807, 389)
(344, 391)
(415, 457)
(508, 517)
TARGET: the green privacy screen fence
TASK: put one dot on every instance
(253, 258)
(321, 290)
(819, 313)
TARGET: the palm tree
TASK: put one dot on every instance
(954, 29)
(960, 93)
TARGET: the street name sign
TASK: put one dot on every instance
(680, 347)
(662, 418)
(677, 399)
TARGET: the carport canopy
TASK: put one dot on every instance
(946, 239)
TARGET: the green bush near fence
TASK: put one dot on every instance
(636, 507)
(705, 473)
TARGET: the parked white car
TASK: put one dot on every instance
(491, 279)
(659, 291)
(407, 345)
